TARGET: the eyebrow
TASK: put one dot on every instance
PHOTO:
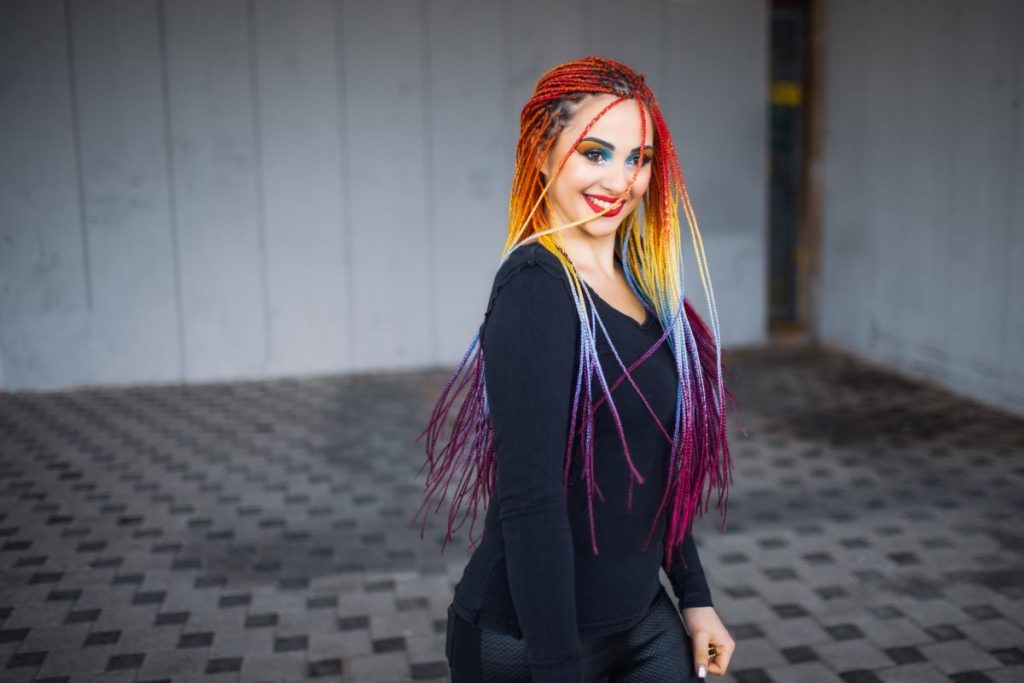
(611, 146)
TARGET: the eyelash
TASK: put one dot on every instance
(603, 157)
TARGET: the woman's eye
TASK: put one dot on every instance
(600, 155)
(636, 157)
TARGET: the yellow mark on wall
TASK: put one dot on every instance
(786, 93)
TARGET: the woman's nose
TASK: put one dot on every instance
(616, 179)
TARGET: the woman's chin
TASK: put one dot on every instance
(601, 227)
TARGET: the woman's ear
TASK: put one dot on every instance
(546, 166)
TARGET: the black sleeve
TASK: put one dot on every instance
(688, 581)
(529, 344)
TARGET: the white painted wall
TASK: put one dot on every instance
(196, 191)
(924, 204)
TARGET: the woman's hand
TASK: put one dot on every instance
(705, 628)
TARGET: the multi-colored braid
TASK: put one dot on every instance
(651, 255)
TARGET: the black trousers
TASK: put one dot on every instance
(657, 650)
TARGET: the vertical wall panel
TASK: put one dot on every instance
(42, 264)
(1012, 391)
(923, 230)
(539, 34)
(731, 97)
(384, 151)
(630, 32)
(135, 330)
(467, 189)
(976, 265)
(845, 241)
(884, 60)
(215, 164)
(44, 290)
(718, 120)
(300, 125)
(928, 181)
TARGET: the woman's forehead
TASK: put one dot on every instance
(621, 123)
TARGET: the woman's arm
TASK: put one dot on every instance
(687, 579)
(699, 616)
(529, 346)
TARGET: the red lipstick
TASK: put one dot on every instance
(599, 209)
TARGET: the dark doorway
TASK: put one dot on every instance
(793, 225)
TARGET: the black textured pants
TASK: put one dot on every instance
(657, 650)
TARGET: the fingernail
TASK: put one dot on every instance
(701, 671)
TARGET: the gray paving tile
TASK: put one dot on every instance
(848, 655)
(796, 631)
(78, 661)
(809, 672)
(897, 632)
(958, 655)
(173, 664)
(36, 614)
(922, 672)
(391, 667)
(19, 675)
(347, 644)
(273, 668)
(933, 612)
(62, 637)
(757, 653)
(993, 633)
(105, 677)
(240, 643)
(1012, 674)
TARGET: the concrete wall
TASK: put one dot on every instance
(924, 206)
(196, 190)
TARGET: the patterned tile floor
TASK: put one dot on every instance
(259, 531)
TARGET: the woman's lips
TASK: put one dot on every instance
(599, 208)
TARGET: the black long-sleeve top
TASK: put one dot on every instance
(534, 574)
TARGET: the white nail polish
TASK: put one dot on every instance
(701, 671)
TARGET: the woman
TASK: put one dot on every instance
(587, 297)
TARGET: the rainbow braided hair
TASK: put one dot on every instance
(652, 261)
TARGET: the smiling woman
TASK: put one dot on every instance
(597, 179)
(561, 589)
(606, 181)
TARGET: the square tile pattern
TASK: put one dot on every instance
(260, 531)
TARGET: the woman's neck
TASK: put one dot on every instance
(594, 256)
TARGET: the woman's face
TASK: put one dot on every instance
(598, 171)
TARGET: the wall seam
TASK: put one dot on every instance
(76, 150)
(345, 177)
(172, 188)
(427, 121)
(950, 363)
(507, 153)
(1015, 98)
(259, 182)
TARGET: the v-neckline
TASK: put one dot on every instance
(627, 316)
